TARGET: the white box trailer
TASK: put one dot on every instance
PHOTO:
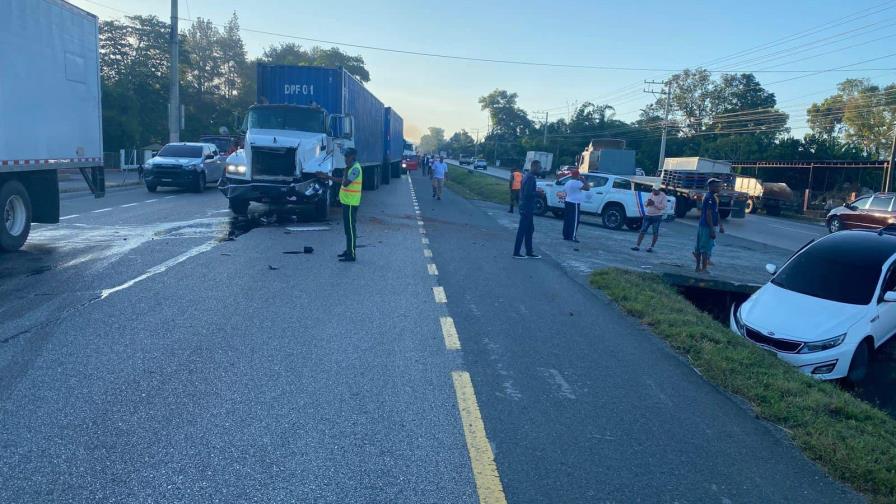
(545, 158)
(50, 114)
(696, 164)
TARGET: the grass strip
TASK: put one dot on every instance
(852, 440)
(473, 185)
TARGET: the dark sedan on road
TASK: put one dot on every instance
(868, 212)
(188, 165)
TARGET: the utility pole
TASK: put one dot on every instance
(174, 120)
(889, 169)
(545, 129)
(668, 94)
(476, 144)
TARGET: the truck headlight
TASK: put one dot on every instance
(820, 346)
(238, 169)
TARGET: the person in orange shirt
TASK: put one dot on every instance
(516, 182)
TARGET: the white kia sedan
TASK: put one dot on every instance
(829, 307)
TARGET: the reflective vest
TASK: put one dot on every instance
(517, 181)
(351, 194)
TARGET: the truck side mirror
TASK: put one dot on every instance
(348, 127)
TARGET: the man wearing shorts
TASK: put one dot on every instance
(653, 216)
(706, 230)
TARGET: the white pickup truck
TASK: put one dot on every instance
(618, 200)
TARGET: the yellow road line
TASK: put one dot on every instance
(427, 252)
(439, 294)
(485, 471)
(432, 269)
(449, 332)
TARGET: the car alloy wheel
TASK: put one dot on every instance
(834, 224)
(861, 360)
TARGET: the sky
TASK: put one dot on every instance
(655, 37)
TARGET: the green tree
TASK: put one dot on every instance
(291, 53)
(461, 143)
(433, 141)
(862, 113)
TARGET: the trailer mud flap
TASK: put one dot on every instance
(96, 180)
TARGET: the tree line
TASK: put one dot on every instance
(217, 79)
(731, 117)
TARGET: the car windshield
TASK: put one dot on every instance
(181, 151)
(838, 278)
(287, 118)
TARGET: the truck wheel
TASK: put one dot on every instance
(200, 183)
(613, 216)
(152, 187)
(385, 174)
(541, 206)
(16, 223)
(239, 206)
(751, 206)
(682, 207)
(724, 214)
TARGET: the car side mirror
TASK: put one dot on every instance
(771, 268)
(890, 296)
(209, 156)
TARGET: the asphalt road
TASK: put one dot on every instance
(154, 349)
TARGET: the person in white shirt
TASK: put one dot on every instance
(439, 170)
(574, 189)
(654, 207)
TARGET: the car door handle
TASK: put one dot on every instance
(598, 192)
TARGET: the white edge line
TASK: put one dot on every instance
(101, 210)
(160, 268)
(129, 204)
(69, 217)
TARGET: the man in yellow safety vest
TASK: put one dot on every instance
(350, 197)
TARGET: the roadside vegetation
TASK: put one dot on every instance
(474, 185)
(852, 440)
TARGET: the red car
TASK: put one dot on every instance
(868, 212)
(409, 163)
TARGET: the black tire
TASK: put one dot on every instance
(633, 224)
(774, 211)
(396, 170)
(152, 187)
(386, 174)
(751, 206)
(541, 206)
(200, 183)
(239, 206)
(860, 362)
(613, 216)
(682, 207)
(15, 215)
(724, 214)
(834, 224)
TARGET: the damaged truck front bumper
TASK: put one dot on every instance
(307, 192)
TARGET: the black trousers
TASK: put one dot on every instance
(524, 233)
(349, 222)
(570, 220)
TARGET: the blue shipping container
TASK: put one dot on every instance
(337, 92)
(394, 128)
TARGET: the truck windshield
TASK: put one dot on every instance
(287, 118)
(181, 151)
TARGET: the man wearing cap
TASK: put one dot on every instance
(706, 229)
(654, 207)
(574, 189)
(350, 197)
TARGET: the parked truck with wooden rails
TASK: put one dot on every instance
(686, 179)
(771, 197)
(50, 115)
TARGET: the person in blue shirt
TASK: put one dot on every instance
(706, 229)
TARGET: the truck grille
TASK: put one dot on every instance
(273, 162)
(780, 345)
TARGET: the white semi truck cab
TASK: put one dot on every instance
(285, 150)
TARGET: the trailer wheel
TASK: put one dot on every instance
(239, 206)
(16, 223)
(751, 206)
(774, 211)
(724, 214)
